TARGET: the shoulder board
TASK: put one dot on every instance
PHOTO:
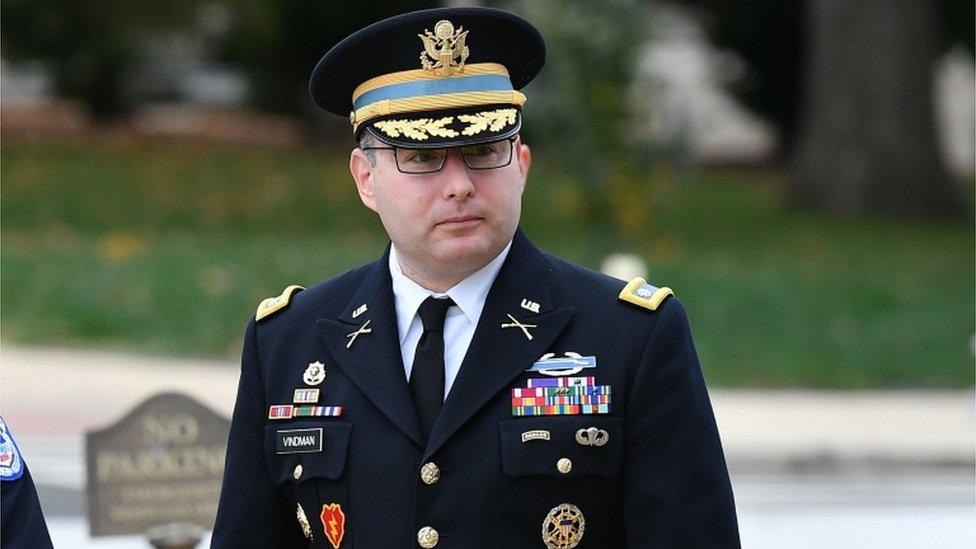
(645, 295)
(272, 305)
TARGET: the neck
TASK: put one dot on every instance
(437, 282)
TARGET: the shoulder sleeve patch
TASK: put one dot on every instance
(642, 294)
(272, 305)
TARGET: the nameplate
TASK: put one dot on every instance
(299, 441)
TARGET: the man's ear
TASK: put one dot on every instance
(524, 158)
(362, 169)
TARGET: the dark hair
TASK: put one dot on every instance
(368, 140)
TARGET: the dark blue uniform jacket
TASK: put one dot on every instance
(659, 481)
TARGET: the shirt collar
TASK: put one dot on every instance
(469, 294)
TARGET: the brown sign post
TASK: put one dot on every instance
(159, 465)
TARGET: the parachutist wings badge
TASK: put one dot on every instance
(444, 49)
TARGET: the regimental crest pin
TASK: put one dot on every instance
(563, 527)
(314, 373)
(334, 523)
(444, 50)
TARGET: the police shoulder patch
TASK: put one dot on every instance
(11, 464)
(642, 294)
(272, 305)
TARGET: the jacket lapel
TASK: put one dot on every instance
(498, 355)
(373, 361)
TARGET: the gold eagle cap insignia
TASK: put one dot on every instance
(444, 49)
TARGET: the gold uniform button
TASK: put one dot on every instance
(430, 473)
(298, 471)
(427, 537)
(564, 465)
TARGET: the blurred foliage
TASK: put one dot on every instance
(771, 38)
(278, 43)
(92, 47)
(581, 109)
(167, 247)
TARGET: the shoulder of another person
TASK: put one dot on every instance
(11, 462)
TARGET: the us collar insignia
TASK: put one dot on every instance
(444, 50)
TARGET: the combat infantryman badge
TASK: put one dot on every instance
(314, 374)
(303, 522)
(334, 523)
(572, 363)
(563, 527)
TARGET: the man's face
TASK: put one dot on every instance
(452, 221)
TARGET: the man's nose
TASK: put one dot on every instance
(458, 185)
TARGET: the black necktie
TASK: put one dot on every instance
(427, 374)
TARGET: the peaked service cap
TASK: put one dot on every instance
(441, 77)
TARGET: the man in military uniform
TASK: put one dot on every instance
(464, 390)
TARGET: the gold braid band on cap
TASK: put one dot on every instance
(434, 103)
(421, 75)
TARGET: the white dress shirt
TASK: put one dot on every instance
(469, 295)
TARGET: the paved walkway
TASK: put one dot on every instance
(51, 396)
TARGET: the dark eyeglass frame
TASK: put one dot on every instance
(396, 159)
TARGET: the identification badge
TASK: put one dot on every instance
(299, 441)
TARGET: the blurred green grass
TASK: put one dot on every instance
(167, 247)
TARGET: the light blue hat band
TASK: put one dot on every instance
(478, 83)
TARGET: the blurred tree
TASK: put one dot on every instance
(278, 43)
(868, 141)
(90, 46)
(580, 107)
(861, 73)
(770, 36)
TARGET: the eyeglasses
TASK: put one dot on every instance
(483, 156)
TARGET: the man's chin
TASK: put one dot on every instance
(472, 251)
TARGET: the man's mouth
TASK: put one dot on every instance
(460, 221)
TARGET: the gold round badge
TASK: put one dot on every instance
(563, 527)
